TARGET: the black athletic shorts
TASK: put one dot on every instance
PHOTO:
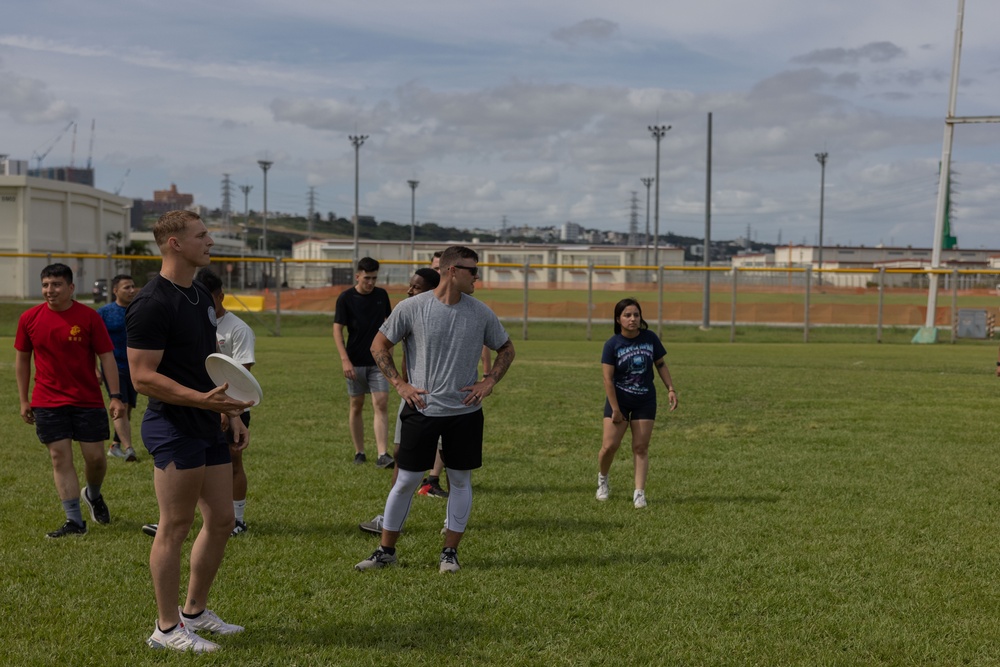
(166, 444)
(461, 440)
(633, 409)
(126, 388)
(70, 423)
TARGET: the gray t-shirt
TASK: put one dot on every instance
(443, 346)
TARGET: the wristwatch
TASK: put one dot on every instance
(118, 396)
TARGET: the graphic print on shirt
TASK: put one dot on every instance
(633, 363)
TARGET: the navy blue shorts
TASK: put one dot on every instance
(126, 388)
(166, 444)
(633, 409)
(461, 440)
(227, 435)
(70, 423)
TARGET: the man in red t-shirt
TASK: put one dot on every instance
(66, 405)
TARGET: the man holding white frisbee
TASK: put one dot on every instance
(444, 330)
(361, 310)
(171, 328)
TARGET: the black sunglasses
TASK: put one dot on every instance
(473, 270)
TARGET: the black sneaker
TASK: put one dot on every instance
(239, 528)
(69, 528)
(150, 529)
(360, 458)
(98, 509)
(384, 461)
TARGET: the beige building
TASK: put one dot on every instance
(48, 217)
(329, 262)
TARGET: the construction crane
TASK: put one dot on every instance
(41, 156)
(121, 185)
(90, 151)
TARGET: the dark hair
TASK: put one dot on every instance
(117, 279)
(430, 276)
(620, 308)
(451, 255)
(368, 265)
(58, 271)
(437, 253)
(207, 277)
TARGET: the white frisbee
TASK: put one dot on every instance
(243, 386)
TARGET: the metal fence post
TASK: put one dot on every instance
(954, 305)
(881, 302)
(590, 295)
(278, 265)
(732, 310)
(659, 303)
(805, 327)
(524, 327)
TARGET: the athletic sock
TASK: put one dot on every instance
(192, 616)
(93, 491)
(434, 480)
(72, 509)
(389, 550)
(239, 506)
(167, 632)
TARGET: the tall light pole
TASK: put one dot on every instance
(413, 215)
(264, 165)
(647, 181)
(821, 157)
(356, 140)
(245, 189)
(658, 131)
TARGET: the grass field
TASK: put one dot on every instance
(829, 504)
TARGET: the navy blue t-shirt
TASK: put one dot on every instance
(633, 361)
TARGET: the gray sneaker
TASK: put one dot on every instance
(115, 450)
(449, 561)
(377, 560)
(384, 461)
(359, 458)
(130, 456)
(374, 526)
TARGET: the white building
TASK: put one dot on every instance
(49, 217)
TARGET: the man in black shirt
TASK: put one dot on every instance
(171, 330)
(362, 309)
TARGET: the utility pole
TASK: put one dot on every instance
(821, 157)
(264, 165)
(706, 302)
(312, 210)
(657, 131)
(357, 140)
(633, 223)
(226, 203)
(647, 181)
(245, 189)
(413, 216)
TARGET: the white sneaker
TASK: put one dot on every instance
(181, 638)
(208, 620)
(602, 487)
(639, 499)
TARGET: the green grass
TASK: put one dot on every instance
(830, 504)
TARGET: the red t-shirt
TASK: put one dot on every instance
(64, 345)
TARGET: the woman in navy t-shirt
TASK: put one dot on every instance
(628, 361)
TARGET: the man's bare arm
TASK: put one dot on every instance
(382, 353)
(505, 357)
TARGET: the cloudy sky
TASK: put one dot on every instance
(533, 112)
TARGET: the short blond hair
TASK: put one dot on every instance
(170, 223)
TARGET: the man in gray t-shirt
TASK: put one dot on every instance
(445, 331)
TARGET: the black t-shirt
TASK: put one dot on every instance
(362, 314)
(181, 322)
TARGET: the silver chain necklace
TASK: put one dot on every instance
(197, 294)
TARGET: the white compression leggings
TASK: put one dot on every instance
(397, 505)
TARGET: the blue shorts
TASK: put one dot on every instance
(168, 445)
(125, 387)
(368, 380)
(70, 423)
(644, 408)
